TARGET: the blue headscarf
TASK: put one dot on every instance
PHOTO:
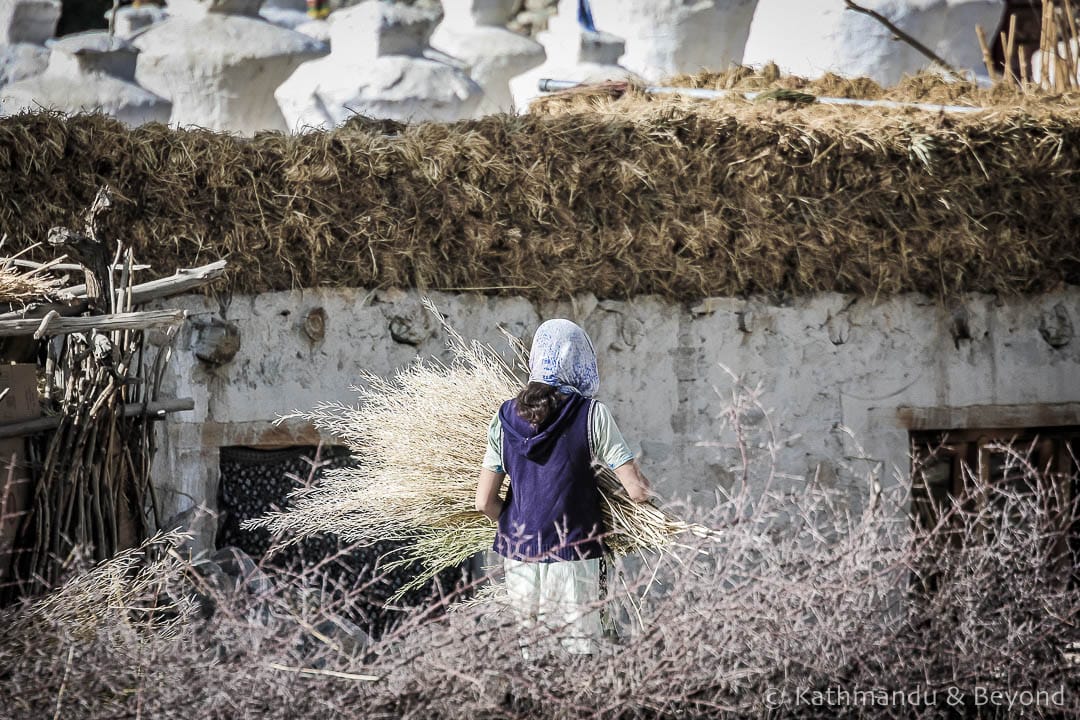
(562, 355)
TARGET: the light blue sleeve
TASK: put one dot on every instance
(493, 455)
(608, 443)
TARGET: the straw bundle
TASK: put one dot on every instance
(420, 438)
(24, 287)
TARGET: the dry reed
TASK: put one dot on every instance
(131, 589)
(23, 286)
(1055, 70)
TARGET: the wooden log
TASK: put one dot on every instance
(121, 321)
(89, 249)
(91, 254)
(60, 266)
(37, 311)
(154, 410)
(181, 282)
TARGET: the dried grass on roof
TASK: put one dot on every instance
(926, 86)
(619, 197)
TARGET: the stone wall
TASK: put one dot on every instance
(826, 364)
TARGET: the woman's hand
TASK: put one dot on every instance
(633, 481)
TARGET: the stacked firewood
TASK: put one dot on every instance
(100, 360)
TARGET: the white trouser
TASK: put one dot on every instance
(563, 595)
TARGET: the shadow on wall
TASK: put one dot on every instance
(79, 15)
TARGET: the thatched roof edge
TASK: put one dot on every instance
(677, 199)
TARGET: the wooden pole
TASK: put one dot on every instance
(988, 58)
(181, 282)
(1010, 50)
(1068, 35)
(92, 457)
(1046, 43)
(153, 411)
(57, 325)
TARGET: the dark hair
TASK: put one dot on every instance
(538, 401)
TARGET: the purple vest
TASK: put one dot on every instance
(552, 509)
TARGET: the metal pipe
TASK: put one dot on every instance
(550, 85)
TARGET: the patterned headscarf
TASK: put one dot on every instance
(562, 355)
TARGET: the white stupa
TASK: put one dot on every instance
(474, 31)
(220, 63)
(25, 25)
(28, 21)
(812, 37)
(668, 37)
(88, 72)
(377, 68)
(574, 54)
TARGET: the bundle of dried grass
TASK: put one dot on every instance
(745, 78)
(26, 286)
(420, 437)
(621, 197)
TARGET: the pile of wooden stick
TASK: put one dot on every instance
(101, 361)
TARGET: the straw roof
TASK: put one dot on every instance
(927, 86)
(619, 197)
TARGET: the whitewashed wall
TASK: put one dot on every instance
(825, 363)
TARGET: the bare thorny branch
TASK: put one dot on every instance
(800, 593)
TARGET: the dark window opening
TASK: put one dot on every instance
(255, 482)
(948, 465)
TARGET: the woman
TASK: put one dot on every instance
(550, 526)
